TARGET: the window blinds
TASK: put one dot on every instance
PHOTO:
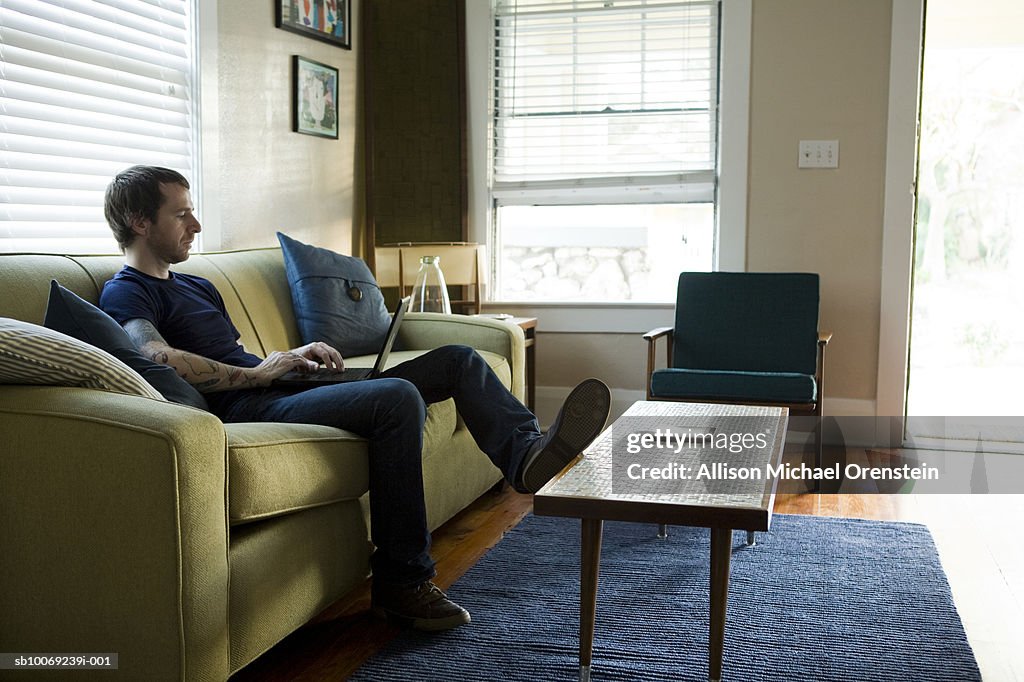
(592, 90)
(87, 88)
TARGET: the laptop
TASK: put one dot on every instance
(325, 376)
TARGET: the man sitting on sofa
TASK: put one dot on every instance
(180, 320)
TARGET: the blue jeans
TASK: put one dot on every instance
(390, 412)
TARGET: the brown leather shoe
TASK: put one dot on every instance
(420, 607)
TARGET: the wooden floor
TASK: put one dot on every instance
(978, 536)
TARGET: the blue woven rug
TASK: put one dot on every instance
(815, 599)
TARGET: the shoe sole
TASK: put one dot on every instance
(424, 624)
(581, 420)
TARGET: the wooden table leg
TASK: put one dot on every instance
(531, 376)
(721, 547)
(590, 560)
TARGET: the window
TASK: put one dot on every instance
(86, 90)
(604, 147)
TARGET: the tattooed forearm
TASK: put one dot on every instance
(237, 376)
(204, 374)
(198, 364)
(208, 375)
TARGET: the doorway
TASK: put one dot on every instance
(967, 313)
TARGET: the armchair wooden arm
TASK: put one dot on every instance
(658, 333)
(823, 338)
(651, 338)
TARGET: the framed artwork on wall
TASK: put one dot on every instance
(327, 20)
(314, 98)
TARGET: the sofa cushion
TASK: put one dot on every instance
(258, 279)
(71, 315)
(30, 354)
(25, 283)
(783, 387)
(335, 297)
(275, 469)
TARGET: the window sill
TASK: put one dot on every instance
(589, 318)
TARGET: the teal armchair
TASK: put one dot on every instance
(744, 338)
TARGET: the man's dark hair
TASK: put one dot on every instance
(135, 193)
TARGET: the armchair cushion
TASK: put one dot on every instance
(74, 316)
(30, 354)
(335, 297)
(747, 321)
(783, 387)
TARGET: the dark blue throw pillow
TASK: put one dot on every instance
(74, 316)
(336, 299)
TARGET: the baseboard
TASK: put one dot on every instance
(849, 407)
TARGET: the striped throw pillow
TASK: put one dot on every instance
(30, 354)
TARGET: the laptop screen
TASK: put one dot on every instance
(389, 340)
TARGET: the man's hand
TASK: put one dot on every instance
(323, 354)
(304, 359)
(278, 363)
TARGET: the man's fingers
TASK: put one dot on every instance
(336, 359)
(327, 355)
(304, 364)
(308, 358)
(298, 362)
(330, 356)
(320, 351)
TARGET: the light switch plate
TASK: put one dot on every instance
(818, 154)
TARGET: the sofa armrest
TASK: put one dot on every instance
(113, 530)
(430, 330)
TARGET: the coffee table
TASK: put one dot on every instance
(597, 486)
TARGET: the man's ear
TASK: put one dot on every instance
(140, 224)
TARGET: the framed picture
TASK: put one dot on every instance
(327, 20)
(314, 98)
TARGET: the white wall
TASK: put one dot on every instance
(259, 176)
(821, 71)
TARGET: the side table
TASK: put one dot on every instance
(529, 327)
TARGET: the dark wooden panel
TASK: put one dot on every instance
(415, 120)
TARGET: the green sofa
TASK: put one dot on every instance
(189, 547)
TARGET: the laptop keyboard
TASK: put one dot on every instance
(328, 375)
